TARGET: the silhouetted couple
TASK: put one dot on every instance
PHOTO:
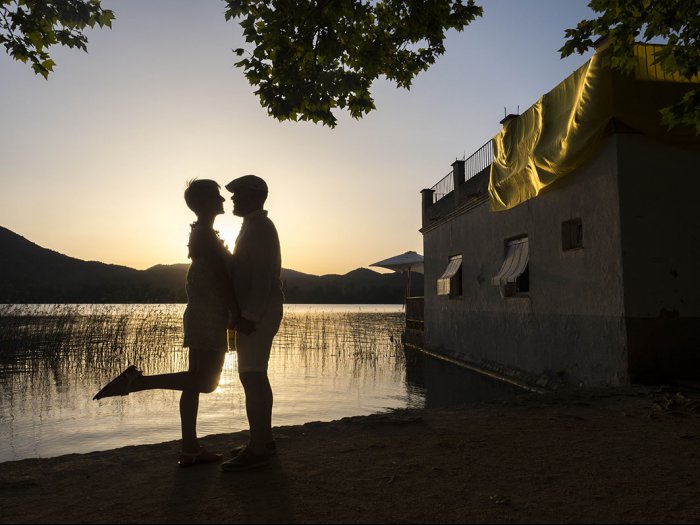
(241, 292)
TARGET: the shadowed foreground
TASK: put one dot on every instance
(621, 456)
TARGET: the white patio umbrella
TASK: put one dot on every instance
(405, 263)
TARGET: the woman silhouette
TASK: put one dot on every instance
(210, 305)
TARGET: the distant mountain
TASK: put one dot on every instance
(32, 274)
(358, 286)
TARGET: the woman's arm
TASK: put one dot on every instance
(210, 248)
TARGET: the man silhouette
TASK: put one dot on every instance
(255, 272)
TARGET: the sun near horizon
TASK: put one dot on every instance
(96, 158)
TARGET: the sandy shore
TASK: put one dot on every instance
(617, 456)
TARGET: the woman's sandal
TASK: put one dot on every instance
(120, 385)
(187, 459)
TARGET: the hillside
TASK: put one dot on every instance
(30, 273)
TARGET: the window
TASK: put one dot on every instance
(571, 235)
(450, 282)
(514, 276)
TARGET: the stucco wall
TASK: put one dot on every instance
(660, 218)
(571, 323)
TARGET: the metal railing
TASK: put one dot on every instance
(414, 313)
(646, 68)
(475, 163)
(479, 160)
(443, 187)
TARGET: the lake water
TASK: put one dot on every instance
(327, 362)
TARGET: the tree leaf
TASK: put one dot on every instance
(621, 22)
(29, 27)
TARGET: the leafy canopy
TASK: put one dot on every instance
(310, 57)
(624, 22)
(29, 27)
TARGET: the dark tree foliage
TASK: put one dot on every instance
(307, 57)
(624, 22)
(28, 28)
(311, 57)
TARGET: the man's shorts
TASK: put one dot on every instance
(254, 350)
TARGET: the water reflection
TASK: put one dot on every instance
(326, 363)
(445, 385)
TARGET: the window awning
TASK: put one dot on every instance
(443, 283)
(514, 265)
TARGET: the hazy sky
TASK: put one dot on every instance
(94, 161)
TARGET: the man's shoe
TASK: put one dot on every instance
(246, 460)
(270, 449)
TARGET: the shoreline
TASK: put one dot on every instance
(616, 455)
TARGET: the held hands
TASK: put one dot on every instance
(245, 326)
(241, 324)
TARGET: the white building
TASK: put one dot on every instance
(574, 256)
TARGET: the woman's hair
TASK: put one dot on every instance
(198, 192)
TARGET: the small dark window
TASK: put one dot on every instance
(523, 282)
(514, 276)
(571, 235)
(456, 284)
(520, 286)
(450, 282)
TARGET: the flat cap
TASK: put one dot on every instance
(247, 182)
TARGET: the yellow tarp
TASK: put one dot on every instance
(645, 69)
(565, 127)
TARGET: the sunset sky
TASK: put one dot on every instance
(94, 161)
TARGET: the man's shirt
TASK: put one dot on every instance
(256, 267)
